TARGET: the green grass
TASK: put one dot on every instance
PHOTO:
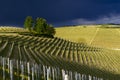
(65, 54)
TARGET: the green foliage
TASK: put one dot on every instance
(41, 27)
(50, 30)
(28, 24)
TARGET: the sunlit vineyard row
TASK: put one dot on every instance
(11, 29)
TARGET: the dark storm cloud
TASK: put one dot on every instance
(13, 12)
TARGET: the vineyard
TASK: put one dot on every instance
(39, 58)
(93, 35)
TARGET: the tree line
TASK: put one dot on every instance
(39, 27)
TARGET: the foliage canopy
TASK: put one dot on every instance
(28, 23)
(39, 26)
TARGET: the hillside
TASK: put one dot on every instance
(93, 35)
(77, 57)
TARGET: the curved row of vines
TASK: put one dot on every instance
(62, 54)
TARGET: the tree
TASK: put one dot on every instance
(28, 24)
(50, 30)
(40, 25)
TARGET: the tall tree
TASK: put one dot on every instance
(28, 24)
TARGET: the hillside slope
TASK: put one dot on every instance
(57, 52)
(92, 35)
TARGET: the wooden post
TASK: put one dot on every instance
(63, 74)
(48, 73)
(3, 60)
(11, 70)
(22, 71)
(44, 72)
(8, 61)
(28, 70)
(90, 78)
(53, 74)
(32, 72)
(18, 73)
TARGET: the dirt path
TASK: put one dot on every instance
(118, 31)
(94, 35)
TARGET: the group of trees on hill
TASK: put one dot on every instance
(39, 26)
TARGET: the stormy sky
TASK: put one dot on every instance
(60, 12)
